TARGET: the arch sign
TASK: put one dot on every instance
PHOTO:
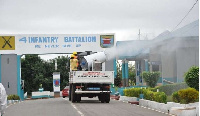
(54, 43)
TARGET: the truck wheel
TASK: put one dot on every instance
(78, 98)
(102, 98)
(107, 97)
(73, 95)
(70, 88)
(99, 97)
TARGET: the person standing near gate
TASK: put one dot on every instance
(3, 99)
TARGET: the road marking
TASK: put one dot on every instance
(77, 109)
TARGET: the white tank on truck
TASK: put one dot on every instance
(90, 80)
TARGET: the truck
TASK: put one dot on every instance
(91, 79)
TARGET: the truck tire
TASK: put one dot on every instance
(73, 95)
(107, 97)
(99, 97)
(102, 98)
(78, 96)
(70, 88)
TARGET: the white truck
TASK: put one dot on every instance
(92, 80)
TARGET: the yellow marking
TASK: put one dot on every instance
(7, 42)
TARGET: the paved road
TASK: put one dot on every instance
(42, 107)
(62, 107)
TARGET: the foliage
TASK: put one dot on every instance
(118, 81)
(64, 75)
(169, 89)
(13, 97)
(151, 78)
(119, 70)
(160, 97)
(189, 95)
(175, 97)
(132, 75)
(116, 89)
(36, 71)
(148, 94)
(186, 96)
(132, 92)
(192, 77)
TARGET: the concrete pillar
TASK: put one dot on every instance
(18, 74)
(126, 73)
(146, 65)
(123, 73)
(20, 92)
(115, 68)
(137, 72)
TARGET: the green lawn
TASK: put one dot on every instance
(169, 98)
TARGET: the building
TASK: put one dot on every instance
(171, 53)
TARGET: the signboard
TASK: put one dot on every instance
(54, 43)
(56, 81)
(106, 41)
(7, 42)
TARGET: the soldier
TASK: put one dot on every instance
(73, 63)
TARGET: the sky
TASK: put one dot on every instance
(123, 17)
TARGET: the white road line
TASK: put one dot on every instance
(77, 109)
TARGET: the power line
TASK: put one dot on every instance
(186, 15)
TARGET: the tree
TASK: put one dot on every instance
(64, 72)
(192, 77)
(36, 71)
(132, 75)
(118, 79)
(32, 72)
(151, 78)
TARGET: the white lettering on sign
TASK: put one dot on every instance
(53, 43)
(39, 39)
(80, 39)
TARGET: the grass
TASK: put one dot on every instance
(169, 98)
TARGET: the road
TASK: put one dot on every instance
(63, 107)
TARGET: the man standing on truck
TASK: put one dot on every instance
(73, 63)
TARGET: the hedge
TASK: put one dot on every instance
(171, 88)
(133, 92)
(148, 94)
(13, 97)
(186, 96)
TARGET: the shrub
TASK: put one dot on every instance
(13, 97)
(160, 97)
(186, 96)
(192, 77)
(151, 78)
(148, 94)
(189, 95)
(171, 88)
(132, 92)
(175, 97)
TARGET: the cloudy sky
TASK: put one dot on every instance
(122, 17)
